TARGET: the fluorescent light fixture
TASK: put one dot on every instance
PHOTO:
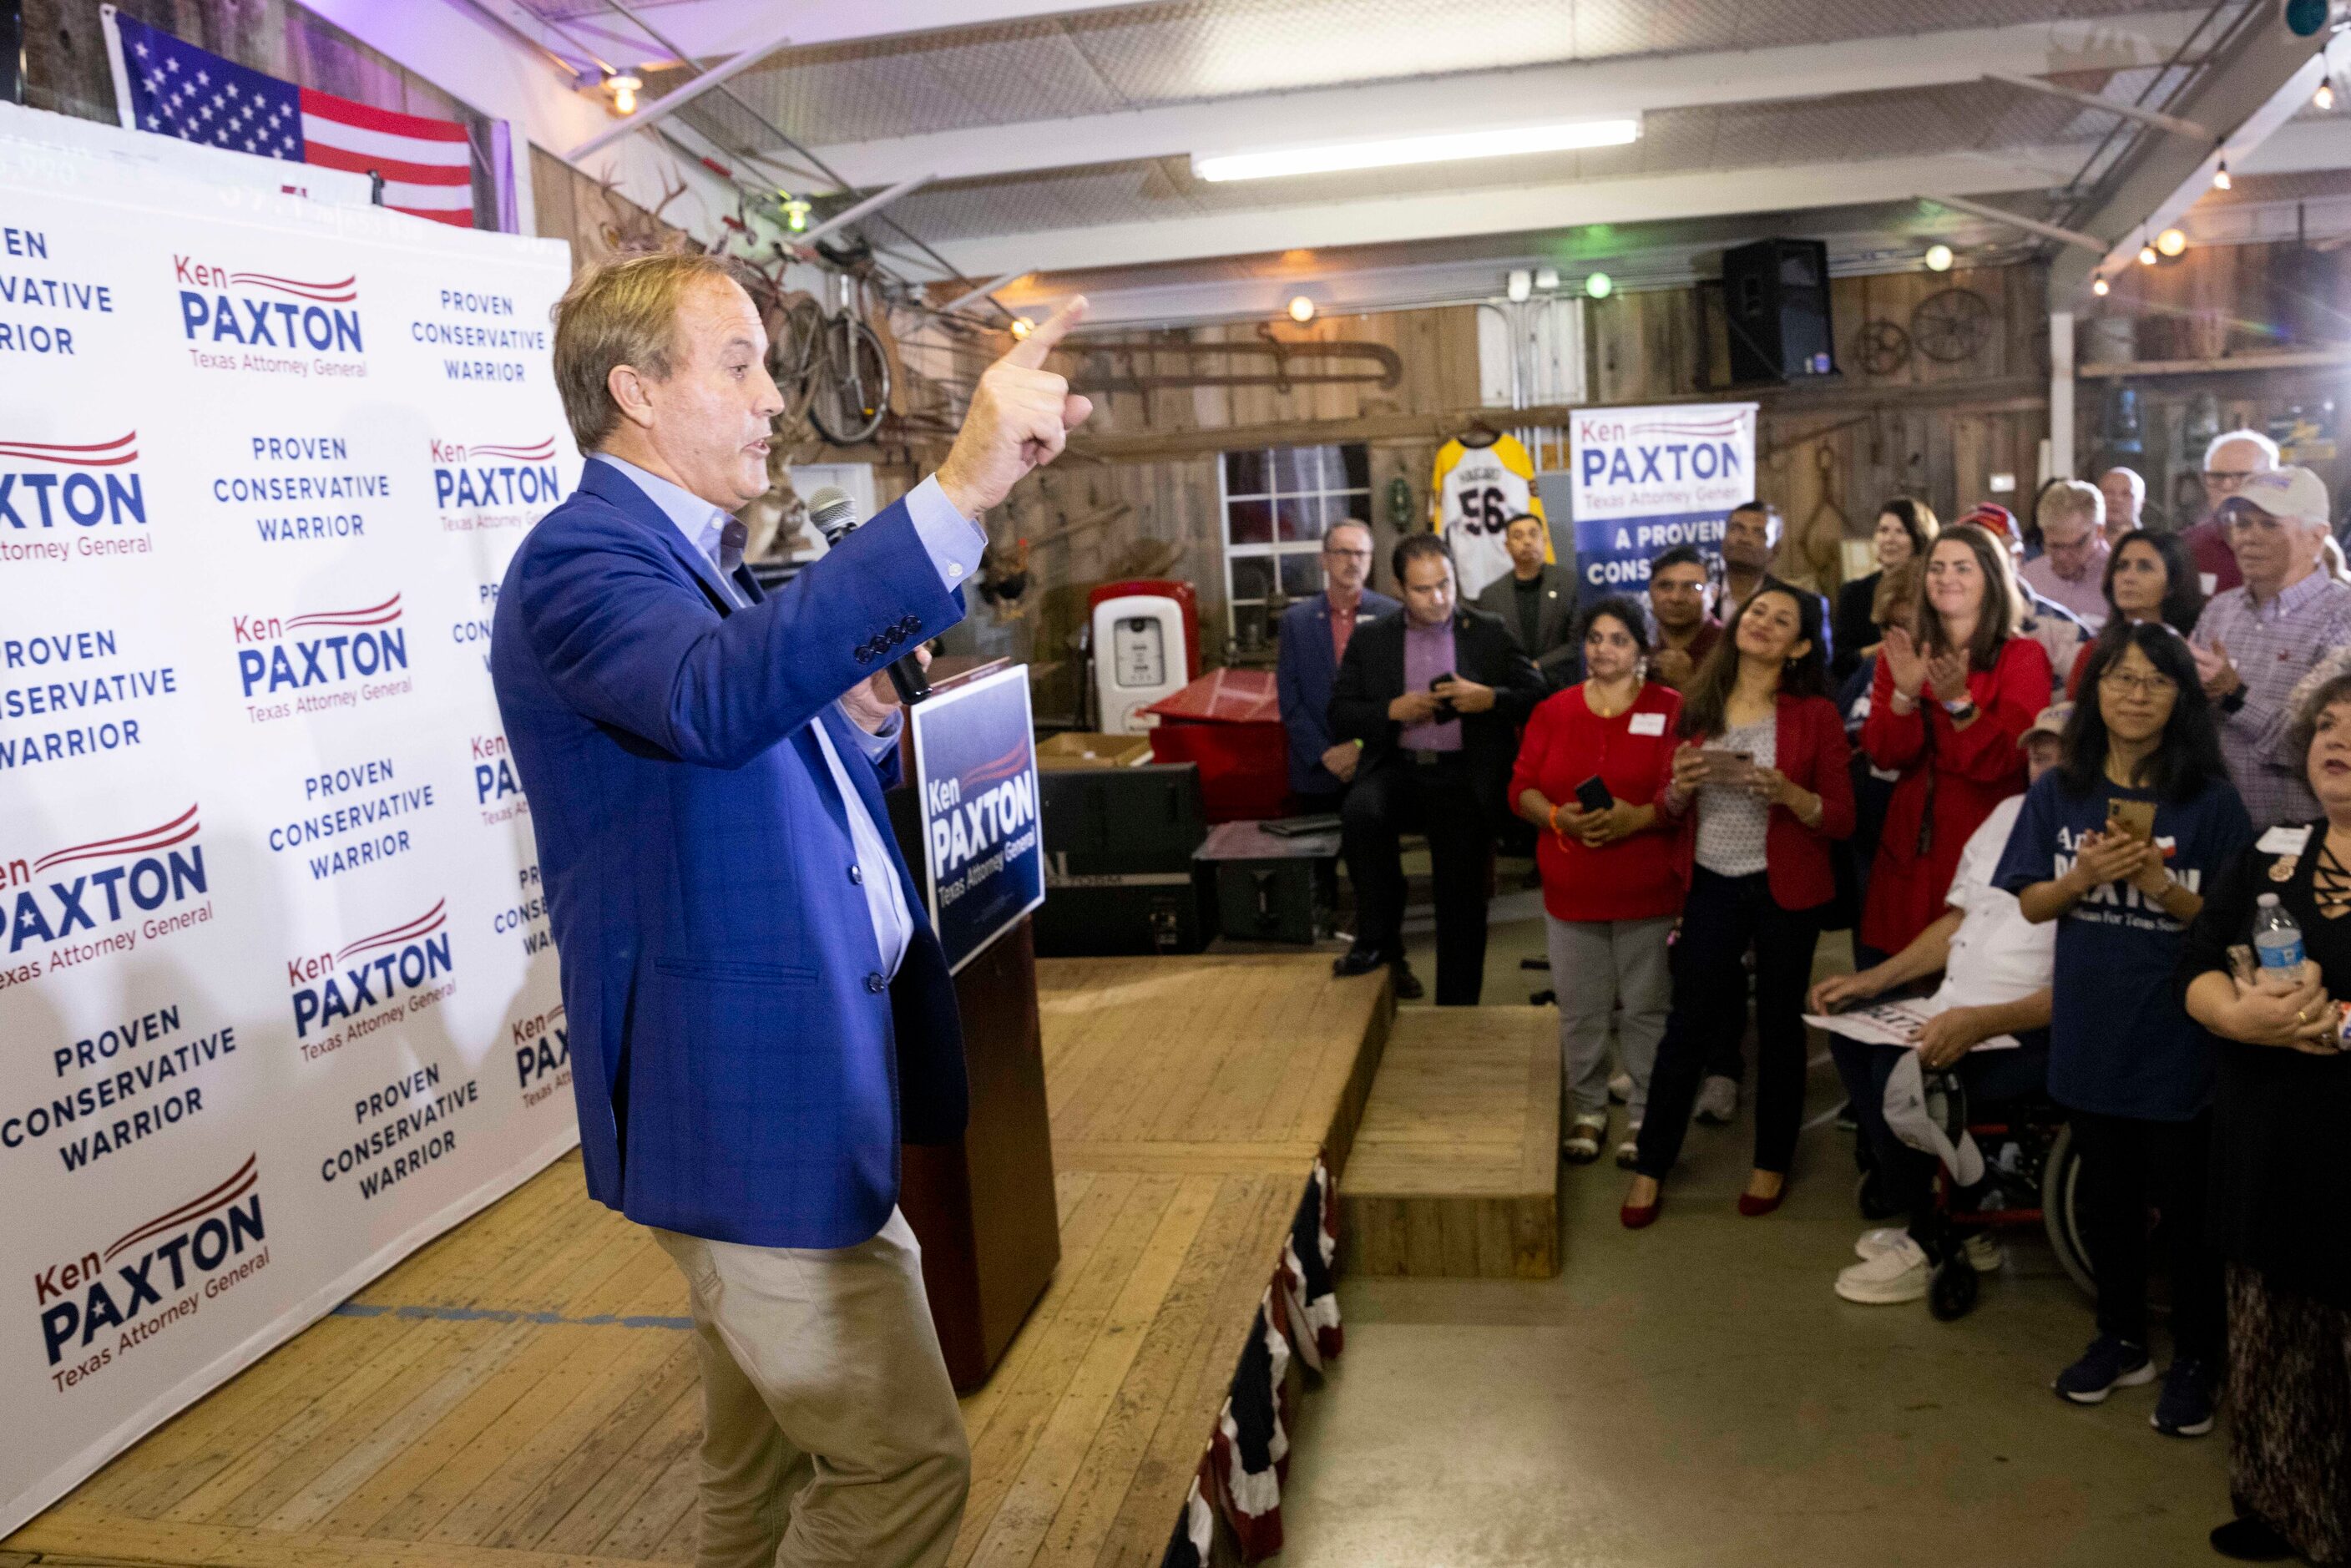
(1333, 157)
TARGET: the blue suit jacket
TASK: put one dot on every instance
(1303, 670)
(743, 1071)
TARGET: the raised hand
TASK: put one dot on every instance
(1904, 657)
(1020, 417)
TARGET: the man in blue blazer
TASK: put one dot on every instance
(1313, 637)
(760, 1012)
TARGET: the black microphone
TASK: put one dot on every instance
(835, 516)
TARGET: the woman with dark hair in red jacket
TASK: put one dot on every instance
(1761, 789)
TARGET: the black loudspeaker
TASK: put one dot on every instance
(1119, 877)
(1775, 298)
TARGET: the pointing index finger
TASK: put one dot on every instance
(1031, 351)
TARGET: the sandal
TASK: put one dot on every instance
(1582, 1144)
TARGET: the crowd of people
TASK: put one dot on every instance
(2051, 796)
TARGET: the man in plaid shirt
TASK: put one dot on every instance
(2255, 642)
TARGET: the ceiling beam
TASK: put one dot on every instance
(2255, 80)
(1515, 209)
(709, 29)
(1591, 89)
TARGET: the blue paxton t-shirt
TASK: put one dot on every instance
(2119, 1043)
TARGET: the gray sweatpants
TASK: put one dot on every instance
(1595, 967)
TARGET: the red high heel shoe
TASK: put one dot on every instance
(1640, 1216)
(1755, 1208)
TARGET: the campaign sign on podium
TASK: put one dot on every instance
(976, 780)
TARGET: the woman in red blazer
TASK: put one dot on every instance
(1948, 709)
(1760, 789)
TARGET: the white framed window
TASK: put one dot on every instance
(1277, 502)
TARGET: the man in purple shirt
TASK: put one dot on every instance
(2072, 567)
(1434, 695)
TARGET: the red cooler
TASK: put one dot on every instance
(1228, 721)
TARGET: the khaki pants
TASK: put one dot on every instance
(830, 1433)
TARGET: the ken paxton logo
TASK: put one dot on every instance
(103, 1305)
(326, 659)
(481, 485)
(103, 897)
(371, 983)
(65, 500)
(287, 326)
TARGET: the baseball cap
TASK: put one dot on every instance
(2051, 721)
(2287, 492)
(1998, 520)
(1931, 1116)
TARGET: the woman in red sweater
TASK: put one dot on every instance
(1758, 788)
(1610, 889)
(1946, 711)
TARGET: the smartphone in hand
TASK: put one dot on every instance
(1593, 795)
(2131, 819)
(1731, 769)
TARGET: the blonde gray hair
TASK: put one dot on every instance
(621, 312)
(2329, 683)
(2072, 498)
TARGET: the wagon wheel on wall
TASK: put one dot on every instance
(1951, 325)
(1881, 348)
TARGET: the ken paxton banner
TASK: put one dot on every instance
(1644, 479)
(276, 999)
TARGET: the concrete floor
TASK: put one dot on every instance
(1695, 1396)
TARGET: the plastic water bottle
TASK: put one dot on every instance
(2277, 942)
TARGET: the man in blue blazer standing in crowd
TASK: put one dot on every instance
(761, 1014)
(1313, 639)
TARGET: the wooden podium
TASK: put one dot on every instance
(983, 1207)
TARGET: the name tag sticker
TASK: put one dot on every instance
(2212, 582)
(1647, 723)
(2284, 842)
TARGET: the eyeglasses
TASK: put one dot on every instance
(2222, 479)
(2140, 686)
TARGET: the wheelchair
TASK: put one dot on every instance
(2032, 1178)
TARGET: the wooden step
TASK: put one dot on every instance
(1455, 1172)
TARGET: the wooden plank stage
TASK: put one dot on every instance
(522, 1392)
(1455, 1168)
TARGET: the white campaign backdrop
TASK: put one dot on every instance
(203, 1146)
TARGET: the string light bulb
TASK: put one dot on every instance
(2325, 97)
(2220, 181)
(1938, 258)
(1022, 326)
(2098, 286)
(1599, 285)
(623, 88)
(1302, 309)
(2171, 242)
(2146, 256)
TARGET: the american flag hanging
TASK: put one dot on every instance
(175, 88)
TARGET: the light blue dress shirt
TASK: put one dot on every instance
(954, 543)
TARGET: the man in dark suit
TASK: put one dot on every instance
(1434, 694)
(761, 1014)
(1313, 639)
(1537, 603)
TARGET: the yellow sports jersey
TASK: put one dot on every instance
(1475, 491)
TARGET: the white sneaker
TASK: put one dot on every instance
(1628, 1153)
(1718, 1100)
(1900, 1273)
(1984, 1254)
(1620, 1088)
